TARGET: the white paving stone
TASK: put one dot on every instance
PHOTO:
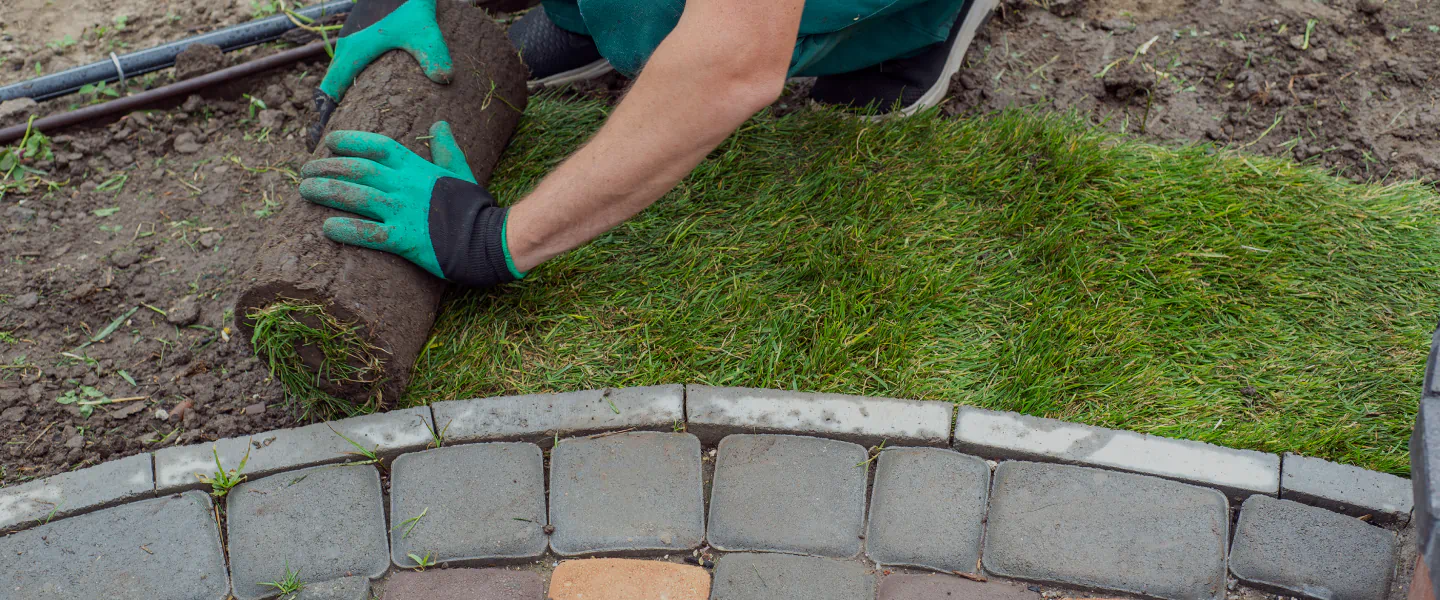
(715, 412)
(992, 434)
(76, 492)
(1347, 489)
(388, 434)
(538, 418)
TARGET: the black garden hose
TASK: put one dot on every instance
(163, 56)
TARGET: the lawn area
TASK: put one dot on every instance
(1020, 262)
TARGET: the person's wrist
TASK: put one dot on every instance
(505, 246)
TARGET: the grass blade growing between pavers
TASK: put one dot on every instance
(1018, 261)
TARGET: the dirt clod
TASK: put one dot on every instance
(272, 119)
(186, 143)
(184, 312)
(27, 300)
(16, 109)
(197, 60)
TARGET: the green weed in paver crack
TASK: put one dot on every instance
(1019, 261)
(422, 562)
(874, 454)
(370, 457)
(437, 438)
(288, 586)
(221, 481)
(410, 523)
(346, 358)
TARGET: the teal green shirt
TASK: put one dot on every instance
(836, 36)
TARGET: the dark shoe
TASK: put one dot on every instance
(553, 55)
(905, 86)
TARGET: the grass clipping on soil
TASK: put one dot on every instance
(1019, 261)
(284, 327)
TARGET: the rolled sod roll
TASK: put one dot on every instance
(340, 326)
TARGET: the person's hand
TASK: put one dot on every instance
(432, 214)
(373, 28)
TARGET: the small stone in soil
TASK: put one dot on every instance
(179, 410)
(75, 441)
(209, 240)
(255, 410)
(27, 300)
(184, 312)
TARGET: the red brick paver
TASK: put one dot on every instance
(945, 587)
(627, 579)
(465, 584)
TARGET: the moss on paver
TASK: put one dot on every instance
(1019, 262)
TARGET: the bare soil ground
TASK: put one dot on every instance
(48, 36)
(155, 217)
(159, 212)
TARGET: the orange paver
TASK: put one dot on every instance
(628, 579)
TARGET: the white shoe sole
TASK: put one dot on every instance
(590, 71)
(936, 93)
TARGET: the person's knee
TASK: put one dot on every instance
(628, 31)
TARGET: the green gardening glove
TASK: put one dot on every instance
(433, 214)
(373, 28)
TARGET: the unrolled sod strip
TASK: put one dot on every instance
(347, 321)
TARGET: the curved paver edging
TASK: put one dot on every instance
(629, 477)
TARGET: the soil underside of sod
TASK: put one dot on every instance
(1324, 359)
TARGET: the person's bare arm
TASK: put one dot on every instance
(724, 61)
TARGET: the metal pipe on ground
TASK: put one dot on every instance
(163, 56)
(183, 88)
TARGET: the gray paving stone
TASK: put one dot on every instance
(927, 509)
(1301, 550)
(1347, 489)
(483, 504)
(538, 418)
(158, 549)
(786, 577)
(1004, 435)
(465, 584)
(787, 493)
(389, 434)
(715, 412)
(76, 492)
(323, 522)
(946, 587)
(1107, 530)
(626, 494)
(346, 588)
(1425, 465)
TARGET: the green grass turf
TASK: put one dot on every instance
(1021, 262)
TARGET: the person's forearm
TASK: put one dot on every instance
(686, 101)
